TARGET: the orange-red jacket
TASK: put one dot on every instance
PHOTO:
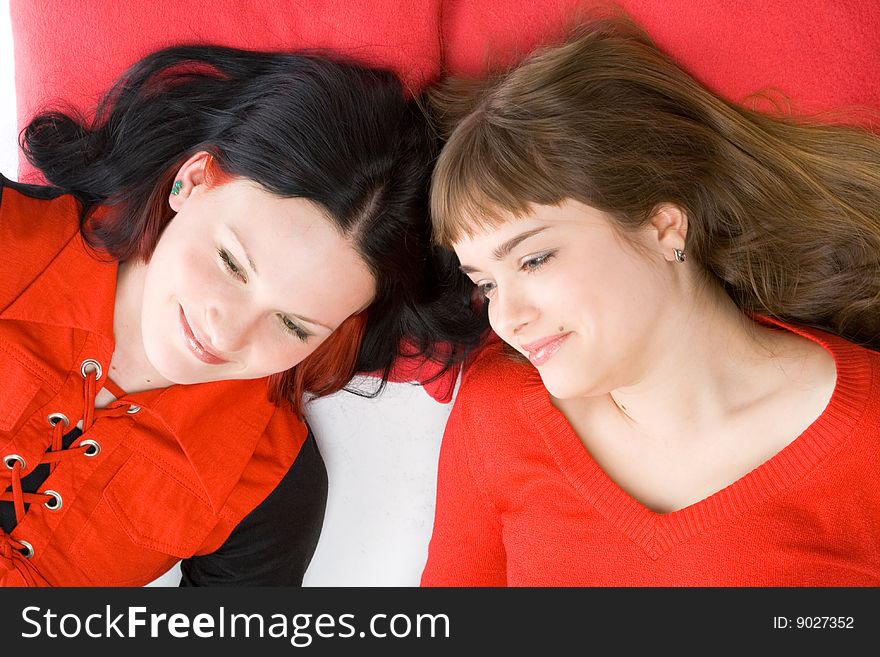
(156, 476)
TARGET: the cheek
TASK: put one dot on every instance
(614, 290)
(277, 353)
(185, 272)
(563, 293)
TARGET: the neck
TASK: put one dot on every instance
(130, 368)
(706, 364)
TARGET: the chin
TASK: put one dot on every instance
(559, 389)
(169, 366)
(177, 375)
(562, 387)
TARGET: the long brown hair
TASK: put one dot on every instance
(785, 214)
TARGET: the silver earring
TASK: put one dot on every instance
(679, 255)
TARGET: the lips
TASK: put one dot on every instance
(198, 349)
(540, 351)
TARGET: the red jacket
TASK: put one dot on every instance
(176, 469)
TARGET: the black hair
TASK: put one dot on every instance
(309, 125)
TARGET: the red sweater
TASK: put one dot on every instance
(520, 502)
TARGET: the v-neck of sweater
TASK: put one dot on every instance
(657, 532)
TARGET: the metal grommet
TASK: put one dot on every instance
(93, 448)
(55, 503)
(133, 409)
(10, 459)
(28, 550)
(55, 418)
(91, 365)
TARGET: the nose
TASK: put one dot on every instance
(227, 328)
(511, 310)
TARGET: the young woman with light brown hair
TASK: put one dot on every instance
(692, 293)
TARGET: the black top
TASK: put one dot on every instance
(274, 543)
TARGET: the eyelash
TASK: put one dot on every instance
(537, 261)
(231, 265)
(287, 324)
(529, 266)
(293, 328)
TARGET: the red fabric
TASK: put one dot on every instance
(520, 502)
(411, 369)
(171, 480)
(72, 50)
(822, 55)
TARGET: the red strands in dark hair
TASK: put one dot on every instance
(111, 229)
(159, 212)
(214, 174)
(326, 370)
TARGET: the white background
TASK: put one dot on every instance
(381, 454)
(8, 142)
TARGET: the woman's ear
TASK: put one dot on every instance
(671, 224)
(190, 175)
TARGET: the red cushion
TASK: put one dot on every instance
(821, 55)
(74, 49)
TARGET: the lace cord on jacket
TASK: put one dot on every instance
(15, 554)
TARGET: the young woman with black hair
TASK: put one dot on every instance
(233, 232)
(688, 295)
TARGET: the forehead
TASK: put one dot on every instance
(568, 217)
(301, 256)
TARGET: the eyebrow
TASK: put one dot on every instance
(504, 250)
(310, 321)
(250, 260)
(246, 254)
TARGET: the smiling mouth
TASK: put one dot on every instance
(543, 350)
(198, 349)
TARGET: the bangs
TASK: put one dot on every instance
(486, 175)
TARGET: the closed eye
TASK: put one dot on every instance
(231, 265)
(293, 328)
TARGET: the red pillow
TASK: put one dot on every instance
(821, 55)
(72, 50)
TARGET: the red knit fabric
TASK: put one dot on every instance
(521, 503)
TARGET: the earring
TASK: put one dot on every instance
(679, 255)
(175, 188)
